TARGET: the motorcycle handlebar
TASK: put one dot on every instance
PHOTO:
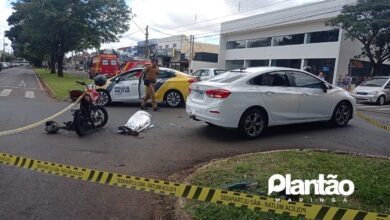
(81, 83)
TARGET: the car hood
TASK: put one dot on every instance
(366, 89)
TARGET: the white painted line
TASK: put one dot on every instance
(22, 84)
(39, 82)
(5, 92)
(366, 106)
(15, 87)
(29, 95)
(383, 109)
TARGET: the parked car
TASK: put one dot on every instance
(207, 73)
(171, 87)
(5, 65)
(375, 90)
(252, 99)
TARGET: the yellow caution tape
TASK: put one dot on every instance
(206, 194)
(373, 122)
(36, 124)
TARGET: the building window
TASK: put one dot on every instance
(166, 46)
(323, 36)
(261, 42)
(234, 64)
(290, 63)
(288, 39)
(235, 44)
(255, 63)
(160, 47)
(174, 45)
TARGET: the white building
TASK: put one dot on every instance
(294, 37)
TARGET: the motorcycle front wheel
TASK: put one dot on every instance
(100, 117)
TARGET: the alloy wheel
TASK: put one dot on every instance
(343, 114)
(254, 124)
(173, 99)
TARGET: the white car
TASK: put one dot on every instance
(375, 90)
(207, 73)
(252, 99)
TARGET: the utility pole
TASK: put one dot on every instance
(146, 42)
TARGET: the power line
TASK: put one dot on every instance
(138, 26)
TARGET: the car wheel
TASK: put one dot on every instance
(342, 114)
(105, 98)
(381, 100)
(253, 122)
(173, 98)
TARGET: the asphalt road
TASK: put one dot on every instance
(176, 143)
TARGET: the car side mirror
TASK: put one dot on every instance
(117, 80)
(324, 87)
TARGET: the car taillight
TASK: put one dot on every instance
(192, 80)
(218, 93)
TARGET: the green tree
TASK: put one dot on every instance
(55, 27)
(368, 22)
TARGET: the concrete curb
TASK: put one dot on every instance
(180, 204)
(46, 86)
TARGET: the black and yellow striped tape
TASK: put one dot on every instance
(373, 122)
(206, 194)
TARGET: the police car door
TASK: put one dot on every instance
(126, 87)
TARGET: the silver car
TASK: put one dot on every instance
(375, 90)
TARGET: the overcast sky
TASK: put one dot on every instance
(171, 17)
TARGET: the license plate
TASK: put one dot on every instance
(198, 94)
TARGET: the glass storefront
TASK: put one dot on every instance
(290, 63)
(256, 63)
(326, 66)
(234, 64)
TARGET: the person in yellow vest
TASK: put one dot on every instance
(150, 73)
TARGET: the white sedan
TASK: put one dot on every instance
(207, 73)
(252, 99)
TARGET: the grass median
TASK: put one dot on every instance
(60, 86)
(370, 176)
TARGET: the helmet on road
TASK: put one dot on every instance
(52, 127)
(100, 80)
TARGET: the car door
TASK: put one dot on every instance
(126, 87)
(314, 103)
(281, 100)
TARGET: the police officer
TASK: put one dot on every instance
(150, 77)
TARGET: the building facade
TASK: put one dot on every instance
(294, 37)
(174, 52)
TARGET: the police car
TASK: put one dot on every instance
(171, 87)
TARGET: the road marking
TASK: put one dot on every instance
(29, 95)
(5, 92)
(22, 84)
(39, 82)
(383, 109)
(366, 106)
(15, 87)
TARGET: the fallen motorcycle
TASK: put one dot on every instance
(88, 116)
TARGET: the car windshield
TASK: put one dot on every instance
(375, 82)
(227, 77)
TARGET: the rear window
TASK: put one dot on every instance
(217, 72)
(113, 62)
(227, 77)
(104, 62)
